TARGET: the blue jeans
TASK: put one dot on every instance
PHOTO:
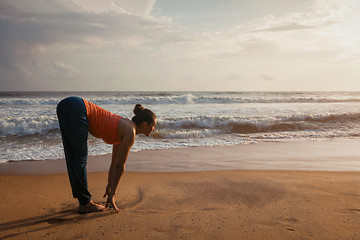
(72, 116)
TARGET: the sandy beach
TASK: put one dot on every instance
(222, 204)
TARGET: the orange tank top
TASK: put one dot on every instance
(102, 123)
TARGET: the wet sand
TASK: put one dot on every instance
(339, 155)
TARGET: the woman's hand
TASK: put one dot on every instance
(107, 191)
(110, 200)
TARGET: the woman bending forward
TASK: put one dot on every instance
(76, 118)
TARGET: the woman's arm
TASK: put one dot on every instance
(115, 154)
(120, 154)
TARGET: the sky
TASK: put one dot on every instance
(187, 45)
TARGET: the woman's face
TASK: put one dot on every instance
(149, 128)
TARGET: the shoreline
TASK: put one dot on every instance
(336, 155)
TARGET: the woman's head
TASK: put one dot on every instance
(144, 118)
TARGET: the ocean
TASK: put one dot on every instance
(29, 129)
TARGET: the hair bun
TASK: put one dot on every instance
(138, 109)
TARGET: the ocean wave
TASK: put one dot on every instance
(197, 126)
(228, 125)
(27, 125)
(186, 98)
(29, 101)
(157, 99)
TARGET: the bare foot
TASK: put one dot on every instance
(91, 207)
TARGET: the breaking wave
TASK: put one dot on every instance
(185, 98)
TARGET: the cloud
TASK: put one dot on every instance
(266, 77)
(294, 26)
(316, 30)
(134, 7)
(137, 7)
(31, 34)
(289, 27)
(234, 77)
(56, 69)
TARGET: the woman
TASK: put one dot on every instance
(76, 118)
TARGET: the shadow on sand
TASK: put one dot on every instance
(35, 224)
(48, 221)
